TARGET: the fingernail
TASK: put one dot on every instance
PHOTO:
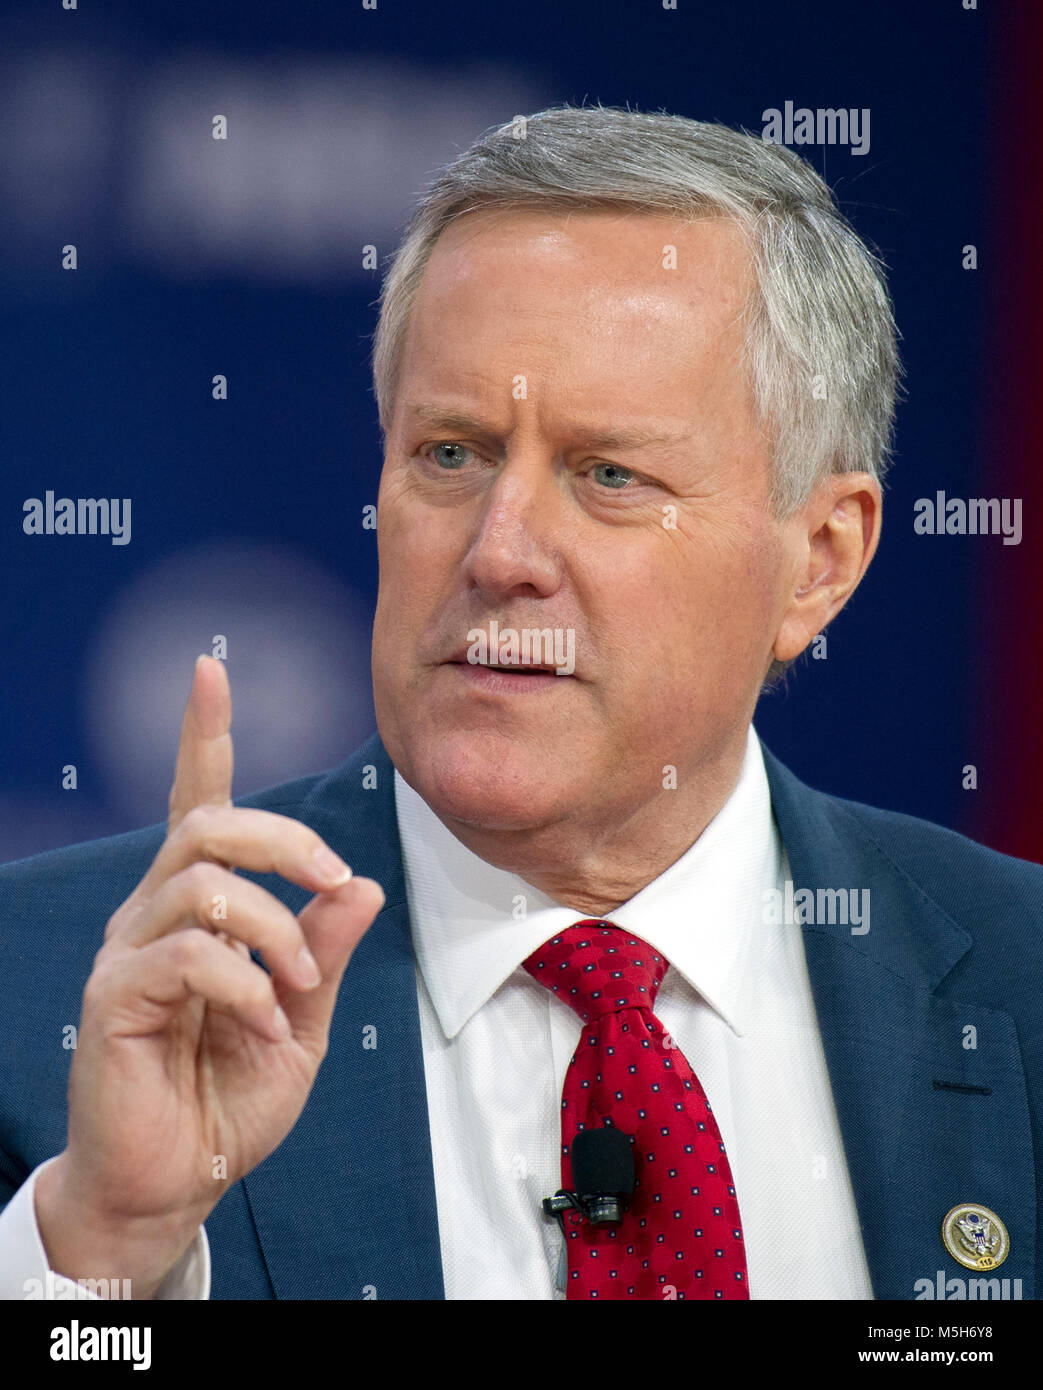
(307, 970)
(332, 870)
(281, 1024)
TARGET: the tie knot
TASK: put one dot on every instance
(598, 968)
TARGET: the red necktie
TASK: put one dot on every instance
(680, 1236)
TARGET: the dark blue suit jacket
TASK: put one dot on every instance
(345, 1207)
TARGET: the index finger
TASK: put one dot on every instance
(204, 757)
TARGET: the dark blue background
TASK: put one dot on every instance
(106, 372)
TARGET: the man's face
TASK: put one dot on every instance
(573, 446)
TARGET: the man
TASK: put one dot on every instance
(613, 503)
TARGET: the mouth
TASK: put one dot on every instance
(515, 669)
(465, 656)
(507, 680)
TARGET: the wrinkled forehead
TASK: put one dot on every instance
(705, 262)
(618, 310)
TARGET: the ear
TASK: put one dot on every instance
(832, 538)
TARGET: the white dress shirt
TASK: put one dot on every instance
(736, 999)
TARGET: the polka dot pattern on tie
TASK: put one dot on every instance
(681, 1236)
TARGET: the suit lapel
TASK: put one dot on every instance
(928, 1121)
(345, 1206)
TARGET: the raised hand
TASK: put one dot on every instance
(188, 1053)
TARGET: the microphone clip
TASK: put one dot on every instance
(600, 1209)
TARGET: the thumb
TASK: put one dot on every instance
(333, 924)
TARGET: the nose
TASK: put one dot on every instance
(516, 548)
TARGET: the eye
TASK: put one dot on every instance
(452, 458)
(611, 475)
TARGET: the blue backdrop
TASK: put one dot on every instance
(244, 258)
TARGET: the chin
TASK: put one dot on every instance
(489, 782)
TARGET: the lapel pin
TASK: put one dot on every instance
(975, 1236)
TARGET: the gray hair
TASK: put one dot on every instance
(820, 334)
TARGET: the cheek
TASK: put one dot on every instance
(390, 521)
(404, 550)
(705, 620)
(396, 610)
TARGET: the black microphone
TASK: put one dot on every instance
(602, 1175)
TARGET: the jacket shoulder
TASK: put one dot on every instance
(995, 898)
(924, 848)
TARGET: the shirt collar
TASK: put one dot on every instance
(473, 923)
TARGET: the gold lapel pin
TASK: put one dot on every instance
(975, 1236)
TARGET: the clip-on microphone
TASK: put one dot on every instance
(602, 1173)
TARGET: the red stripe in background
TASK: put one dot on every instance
(1007, 666)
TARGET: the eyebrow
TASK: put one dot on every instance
(441, 418)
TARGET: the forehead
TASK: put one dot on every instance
(608, 243)
(622, 306)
